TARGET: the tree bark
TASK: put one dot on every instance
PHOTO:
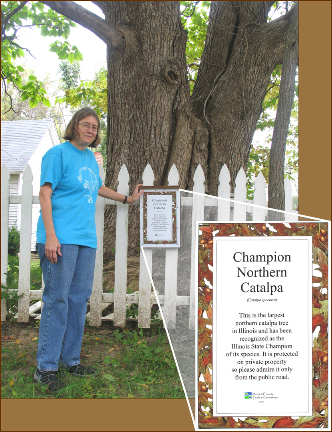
(281, 125)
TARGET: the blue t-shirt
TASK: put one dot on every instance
(74, 175)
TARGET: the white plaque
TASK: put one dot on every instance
(262, 341)
(159, 218)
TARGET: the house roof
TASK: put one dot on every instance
(19, 140)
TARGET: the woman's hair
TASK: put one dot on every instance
(71, 132)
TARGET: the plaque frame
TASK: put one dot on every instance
(174, 192)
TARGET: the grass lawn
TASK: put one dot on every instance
(132, 363)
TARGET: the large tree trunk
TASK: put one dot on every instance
(151, 116)
(149, 119)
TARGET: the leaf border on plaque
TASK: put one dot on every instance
(319, 233)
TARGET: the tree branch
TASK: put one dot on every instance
(10, 38)
(4, 78)
(5, 19)
(13, 12)
(192, 13)
(90, 21)
(18, 46)
(6, 93)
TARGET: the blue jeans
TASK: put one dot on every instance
(68, 286)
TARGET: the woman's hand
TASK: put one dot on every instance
(135, 195)
(52, 248)
(106, 192)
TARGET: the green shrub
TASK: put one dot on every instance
(12, 272)
(12, 284)
(13, 241)
(35, 275)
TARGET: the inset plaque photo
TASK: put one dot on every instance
(262, 343)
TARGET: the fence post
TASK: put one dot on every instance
(144, 299)
(288, 200)
(258, 214)
(121, 252)
(25, 247)
(4, 233)
(97, 287)
(240, 194)
(197, 215)
(171, 268)
(224, 191)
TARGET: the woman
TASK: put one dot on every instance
(66, 237)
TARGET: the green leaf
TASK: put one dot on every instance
(54, 48)
(63, 55)
(53, 32)
(33, 103)
(107, 360)
(71, 57)
(32, 78)
(20, 68)
(46, 102)
(44, 31)
(78, 56)
(66, 31)
(109, 377)
(23, 14)
(40, 6)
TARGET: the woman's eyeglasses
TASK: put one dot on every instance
(86, 126)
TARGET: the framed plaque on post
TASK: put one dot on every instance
(160, 216)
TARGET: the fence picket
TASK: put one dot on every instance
(224, 191)
(97, 287)
(173, 176)
(259, 199)
(144, 301)
(25, 247)
(171, 268)
(5, 190)
(288, 200)
(121, 252)
(240, 194)
(197, 215)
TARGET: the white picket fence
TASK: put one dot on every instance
(227, 210)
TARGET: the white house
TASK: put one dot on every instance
(25, 142)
